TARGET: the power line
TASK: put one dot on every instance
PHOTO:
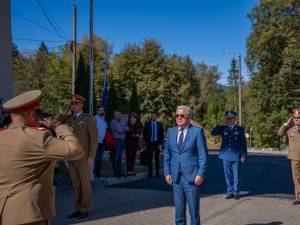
(56, 25)
(27, 39)
(44, 11)
(35, 24)
(36, 50)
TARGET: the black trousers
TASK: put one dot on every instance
(153, 147)
(98, 160)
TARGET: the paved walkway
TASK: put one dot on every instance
(266, 189)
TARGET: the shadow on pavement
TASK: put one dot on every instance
(261, 174)
(272, 223)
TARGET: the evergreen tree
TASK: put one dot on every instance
(82, 81)
(14, 50)
(134, 104)
(113, 100)
(233, 83)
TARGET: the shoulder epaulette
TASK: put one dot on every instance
(39, 128)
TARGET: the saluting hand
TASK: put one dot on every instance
(168, 179)
(198, 180)
(290, 120)
(49, 123)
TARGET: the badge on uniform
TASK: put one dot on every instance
(236, 133)
(81, 122)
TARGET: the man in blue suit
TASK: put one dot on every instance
(185, 163)
(233, 152)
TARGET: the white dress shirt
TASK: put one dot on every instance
(184, 133)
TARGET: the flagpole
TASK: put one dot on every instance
(91, 107)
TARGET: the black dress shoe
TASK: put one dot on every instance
(83, 215)
(229, 196)
(236, 197)
(73, 215)
(296, 202)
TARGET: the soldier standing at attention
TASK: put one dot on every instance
(292, 129)
(85, 128)
(28, 154)
(233, 152)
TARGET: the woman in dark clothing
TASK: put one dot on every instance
(132, 143)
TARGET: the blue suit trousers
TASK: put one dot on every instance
(185, 192)
(232, 176)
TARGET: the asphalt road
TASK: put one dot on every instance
(267, 194)
(261, 174)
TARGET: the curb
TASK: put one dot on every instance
(268, 151)
(104, 182)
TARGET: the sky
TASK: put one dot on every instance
(209, 31)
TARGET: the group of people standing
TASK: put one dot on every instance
(31, 144)
(128, 137)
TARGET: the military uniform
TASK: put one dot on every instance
(293, 134)
(28, 156)
(85, 128)
(233, 148)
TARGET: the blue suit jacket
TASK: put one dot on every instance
(191, 160)
(234, 145)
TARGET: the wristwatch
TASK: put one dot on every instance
(286, 124)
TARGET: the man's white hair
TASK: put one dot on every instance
(188, 109)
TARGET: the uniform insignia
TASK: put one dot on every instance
(39, 128)
(81, 122)
(236, 133)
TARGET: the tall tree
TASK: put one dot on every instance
(233, 83)
(82, 81)
(271, 58)
(134, 104)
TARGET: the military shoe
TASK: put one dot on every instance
(83, 215)
(73, 215)
(296, 202)
(229, 196)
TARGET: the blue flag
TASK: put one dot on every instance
(105, 92)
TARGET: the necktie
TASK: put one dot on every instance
(75, 116)
(180, 140)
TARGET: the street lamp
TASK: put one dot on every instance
(240, 88)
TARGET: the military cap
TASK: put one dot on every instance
(77, 99)
(230, 114)
(26, 101)
(296, 113)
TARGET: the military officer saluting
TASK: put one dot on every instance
(85, 128)
(28, 154)
(233, 152)
(292, 129)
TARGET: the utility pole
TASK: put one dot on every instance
(91, 60)
(6, 87)
(74, 49)
(105, 91)
(240, 89)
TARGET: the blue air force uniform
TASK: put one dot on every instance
(233, 148)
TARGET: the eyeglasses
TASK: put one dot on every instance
(181, 116)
